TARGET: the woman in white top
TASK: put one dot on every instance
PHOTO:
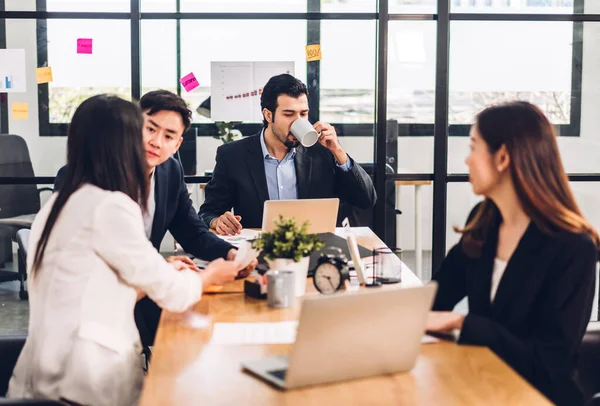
(527, 257)
(90, 261)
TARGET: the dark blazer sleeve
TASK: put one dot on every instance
(451, 276)
(355, 186)
(191, 232)
(564, 312)
(452, 280)
(219, 194)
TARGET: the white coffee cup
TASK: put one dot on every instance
(304, 132)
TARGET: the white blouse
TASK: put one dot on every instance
(83, 344)
(499, 268)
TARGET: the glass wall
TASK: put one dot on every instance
(543, 51)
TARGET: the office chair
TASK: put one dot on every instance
(594, 401)
(18, 203)
(10, 348)
(364, 217)
(588, 362)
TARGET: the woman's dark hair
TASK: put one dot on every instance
(104, 149)
(537, 173)
(159, 100)
(275, 87)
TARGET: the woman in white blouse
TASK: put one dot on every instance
(90, 261)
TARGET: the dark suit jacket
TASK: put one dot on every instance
(174, 212)
(541, 308)
(239, 181)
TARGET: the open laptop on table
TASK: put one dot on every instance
(320, 213)
(348, 336)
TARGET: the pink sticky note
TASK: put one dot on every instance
(189, 82)
(84, 45)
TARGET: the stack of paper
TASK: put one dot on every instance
(246, 254)
(245, 235)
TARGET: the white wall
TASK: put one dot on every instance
(415, 154)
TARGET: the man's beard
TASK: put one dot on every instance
(290, 141)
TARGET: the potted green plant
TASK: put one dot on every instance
(289, 247)
(227, 133)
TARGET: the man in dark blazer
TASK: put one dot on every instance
(166, 119)
(272, 165)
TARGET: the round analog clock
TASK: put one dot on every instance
(330, 274)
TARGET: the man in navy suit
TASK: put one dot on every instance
(272, 165)
(166, 119)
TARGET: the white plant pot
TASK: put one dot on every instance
(300, 269)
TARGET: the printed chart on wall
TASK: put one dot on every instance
(236, 88)
(12, 71)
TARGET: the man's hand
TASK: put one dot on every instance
(227, 224)
(329, 140)
(181, 262)
(243, 273)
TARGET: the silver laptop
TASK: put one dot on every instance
(351, 335)
(320, 213)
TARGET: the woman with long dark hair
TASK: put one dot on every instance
(527, 257)
(91, 261)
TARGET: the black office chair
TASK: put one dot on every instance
(146, 338)
(10, 348)
(18, 203)
(589, 363)
(594, 401)
(364, 217)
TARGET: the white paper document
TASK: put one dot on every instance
(12, 71)
(283, 332)
(236, 88)
(429, 340)
(245, 235)
(246, 254)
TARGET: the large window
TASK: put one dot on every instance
(405, 77)
(261, 42)
(76, 76)
(347, 79)
(491, 62)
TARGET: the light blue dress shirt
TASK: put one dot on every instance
(281, 176)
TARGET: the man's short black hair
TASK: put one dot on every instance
(159, 100)
(275, 87)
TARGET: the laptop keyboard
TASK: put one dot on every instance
(278, 373)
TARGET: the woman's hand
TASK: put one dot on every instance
(181, 262)
(444, 321)
(219, 272)
(243, 273)
(140, 294)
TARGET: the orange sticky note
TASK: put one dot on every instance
(313, 52)
(213, 289)
(43, 75)
(20, 111)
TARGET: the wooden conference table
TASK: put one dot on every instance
(187, 369)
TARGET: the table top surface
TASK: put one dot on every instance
(187, 369)
(397, 183)
(412, 182)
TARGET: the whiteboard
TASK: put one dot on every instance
(236, 88)
(12, 71)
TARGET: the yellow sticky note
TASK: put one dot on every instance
(20, 111)
(313, 52)
(44, 75)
